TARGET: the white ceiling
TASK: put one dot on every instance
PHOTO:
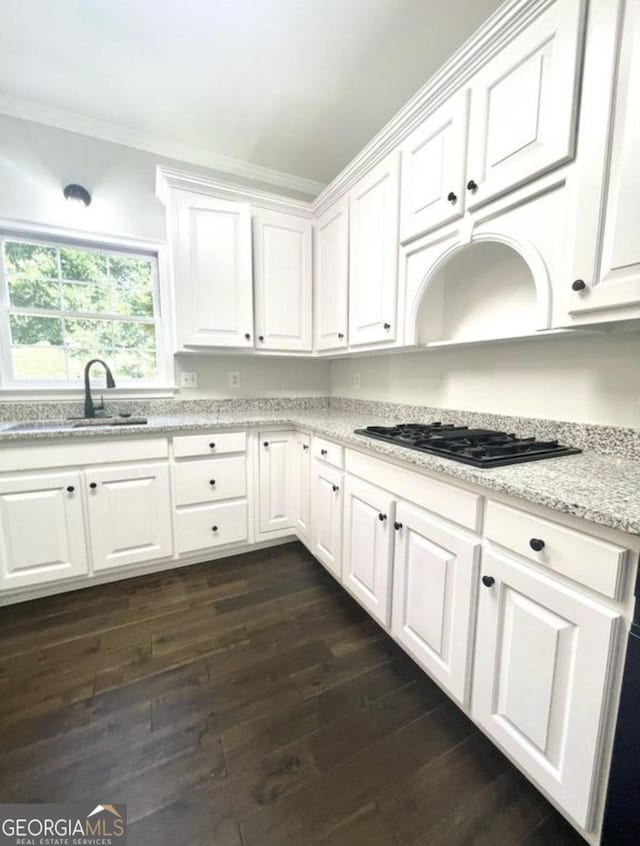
(294, 85)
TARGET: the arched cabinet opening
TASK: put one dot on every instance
(482, 291)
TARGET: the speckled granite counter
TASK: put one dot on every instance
(603, 489)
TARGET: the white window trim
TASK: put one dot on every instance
(163, 386)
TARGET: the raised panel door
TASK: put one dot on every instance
(331, 277)
(276, 483)
(326, 528)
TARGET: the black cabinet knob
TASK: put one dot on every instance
(579, 285)
(397, 526)
(212, 445)
(382, 517)
(341, 335)
(536, 544)
(212, 482)
(247, 335)
(323, 452)
(387, 325)
(305, 446)
(261, 337)
(335, 488)
(214, 528)
(488, 581)
(265, 444)
(93, 485)
(453, 198)
(70, 489)
(472, 185)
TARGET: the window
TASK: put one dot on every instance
(64, 304)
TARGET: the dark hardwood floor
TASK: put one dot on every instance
(248, 702)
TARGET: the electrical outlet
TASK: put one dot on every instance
(234, 379)
(356, 380)
(189, 379)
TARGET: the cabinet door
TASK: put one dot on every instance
(524, 104)
(129, 514)
(331, 277)
(326, 528)
(276, 480)
(373, 255)
(368, 546)
(303, 484)
(434, 587)
(212, 285)
(282, 262)
(607, 247)
(543, 655)
(42, 536)
(433, 169)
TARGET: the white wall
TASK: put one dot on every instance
(594, 379)
(37, 161)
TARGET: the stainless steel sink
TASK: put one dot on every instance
(79, 423)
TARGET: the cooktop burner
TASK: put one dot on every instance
(478, 447)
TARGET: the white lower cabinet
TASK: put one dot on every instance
(207, 526)
(276, 481)
(42, 530)
(302, 472)
(129, 514)
(435, 570)
(368, 546)
(327, 499)
(542, 670)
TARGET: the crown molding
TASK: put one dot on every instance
(146, 142)
(169, 178)
(508, 21)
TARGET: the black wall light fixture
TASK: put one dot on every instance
(77, 194)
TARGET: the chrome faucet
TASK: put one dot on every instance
(89, 407)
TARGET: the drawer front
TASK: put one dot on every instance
(209, 526)
(210, 479)
(215, 443)
(592, 562)
(329, 452)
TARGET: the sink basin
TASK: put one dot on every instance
(81, 422)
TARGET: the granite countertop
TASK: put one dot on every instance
(599, 488)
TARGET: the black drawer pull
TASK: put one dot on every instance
(397, 526)
(323, 452)
(472, 185)
(536, 544)
(70, 489)
(488, 581)
(214, 528)
(452, 197)
(212, 481)
(265, 444)
(335, 488)
(382, 517)
(93, 485)
(212, 445)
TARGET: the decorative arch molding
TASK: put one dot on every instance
(525, 249)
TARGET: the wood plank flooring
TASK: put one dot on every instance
(248, 702)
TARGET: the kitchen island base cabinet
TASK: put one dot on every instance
(42, 530)
(542, 672)
(129, 514)
(327, 499)
(368, 546)
(434, 593)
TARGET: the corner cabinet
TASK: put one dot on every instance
(373, 255)
(212, 290)
(542, 669)
(302, 473)
(283, 283)
(331, 277)
(42, 529)
(276, 482)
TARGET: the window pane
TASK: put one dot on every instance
(28, 330)
(133, 364)
(137, 335)
(30, 259)
(132, 281)
(89, 334)
(79, 356)
(34, 293)
(85, 297)
(82, 265)
(39, 363)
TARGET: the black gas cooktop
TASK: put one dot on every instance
(478, 447)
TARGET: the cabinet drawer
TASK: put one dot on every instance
(215, 443)
(595, 563)
(329, 452)
(208, 526)
(210, 479)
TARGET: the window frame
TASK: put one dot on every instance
(126, 248)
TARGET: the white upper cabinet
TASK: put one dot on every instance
(433, 169)
(331, 277)
(373, 257)
(524, 104)
(542, 669)
(282, 272)
(368, 546)
(606, 264)
(42, 531)
(212, 271)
